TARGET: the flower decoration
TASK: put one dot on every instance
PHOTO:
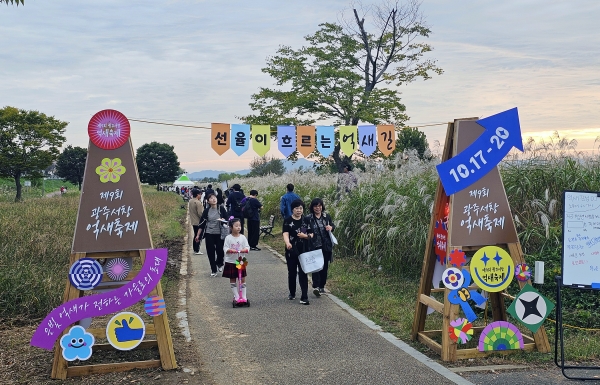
(522, 272)
(241, 263)
(457, 258)
(453, 278)
(110, 170)
(231, 217)
(462, 295)
(77, 344)
(461, 330)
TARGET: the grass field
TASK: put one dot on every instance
(35, 244)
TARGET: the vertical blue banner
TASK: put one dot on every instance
(286, 139)
(325, 140)
(240, 138)
(367, 139)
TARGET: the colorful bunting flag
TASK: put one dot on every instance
(348, 139)
(240, 138)
(261, 139)
(367, 139)
(325, 140)
(286, 139)
(306, 139)
(220, 137)
(386, 139)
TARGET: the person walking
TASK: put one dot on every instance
(254, 205)
(234, 202)
(210, 225)
(220, 199)
(322, 225)
(195, 210)
(285, 206)
(297, 230)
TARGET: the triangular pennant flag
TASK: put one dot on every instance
(367, 139)
(240, 138)
(305, 140)
(386, 139)
(261, 139)
(348, 139)
(286, 139)
(325, 140)
(220, 137)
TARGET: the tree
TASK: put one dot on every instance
(343, 72)
(29, 143)
(71, 164)
(157, 163)
(13, 2)
(261, 166)
(410, 137)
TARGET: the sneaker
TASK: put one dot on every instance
(291, 297)
(321, 290)
(198, 253)
(220, 269)
(304, 302)
(316, 292)
(257, 249)
(213, 274)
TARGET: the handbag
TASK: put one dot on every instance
(311, 261)
(224, 230)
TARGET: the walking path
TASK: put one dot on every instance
(277, 341)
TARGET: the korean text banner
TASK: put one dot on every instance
(240, 138)
(367, 139)
(325, 140)
(348, 139)
(286, 139)
(220, 137)
(306, 139)
(261, 139)
(386, 139)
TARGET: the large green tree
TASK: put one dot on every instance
(29, 143)
(261, 166)
(344, 72)
(71, 164)
(411, 138)
(157, 163)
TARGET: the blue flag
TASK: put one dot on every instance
(286, 139)
(325, 140)
(240, 138)
(367, 139)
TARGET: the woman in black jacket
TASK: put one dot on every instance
(322, 225)
(210, 224)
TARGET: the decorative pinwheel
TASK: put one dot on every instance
(241, 263)
(522, 272)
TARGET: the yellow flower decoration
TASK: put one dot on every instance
(110, 170)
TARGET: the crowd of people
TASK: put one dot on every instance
(218, 218)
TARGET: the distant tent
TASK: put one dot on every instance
(183, 181)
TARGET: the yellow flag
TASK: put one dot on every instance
(348, 139)
(261, 139)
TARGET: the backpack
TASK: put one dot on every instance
(248, 210)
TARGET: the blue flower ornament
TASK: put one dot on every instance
(461, 296)
(77, 344)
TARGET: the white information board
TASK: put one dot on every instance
(581, 239)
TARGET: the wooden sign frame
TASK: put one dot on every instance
(448, 349)
(159, 325)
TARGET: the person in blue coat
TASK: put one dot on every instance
(285, 206)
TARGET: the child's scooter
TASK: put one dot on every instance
(240, 264)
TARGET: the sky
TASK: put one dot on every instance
(194, 62)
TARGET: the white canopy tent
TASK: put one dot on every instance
(183, 181)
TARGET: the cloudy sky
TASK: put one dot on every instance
(195, 62)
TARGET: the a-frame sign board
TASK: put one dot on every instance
(111, 223)
(468, 229)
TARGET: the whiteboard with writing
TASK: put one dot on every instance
(581, 239)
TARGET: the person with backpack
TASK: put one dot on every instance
(234, 203)
(285, 206)
(210, 226)
(251, 212)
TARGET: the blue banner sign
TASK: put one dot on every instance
(367, 139)
(502, 133)
(240, 138)
(325, 140)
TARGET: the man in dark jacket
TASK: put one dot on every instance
(234, 204)
(285, 206)
(254, 220)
